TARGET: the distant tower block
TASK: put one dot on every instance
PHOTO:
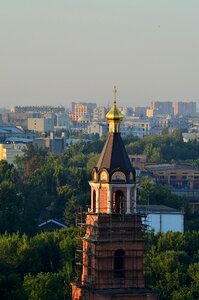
(113, 245)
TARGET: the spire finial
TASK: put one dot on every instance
(114, 116)
(114, 93)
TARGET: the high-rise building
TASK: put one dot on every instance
(163, 107)
(113, 245)
(81, 109)
(99, 113)
(184, 108)
(140, 111)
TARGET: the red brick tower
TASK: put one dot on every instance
(113, 245)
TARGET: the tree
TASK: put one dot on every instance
(10, 207)
(193, 272)
(70, 211)
(91, 162)
(153, 153)
(172, 265)
(33, 157)
(45, 286)
(11, 287)
(152, 193)
(8, 172)
(166, 272)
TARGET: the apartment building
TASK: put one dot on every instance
(81, 109)
(41, 124)
(163, 107)
(184, 108)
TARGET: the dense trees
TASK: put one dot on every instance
(45, 186)
(164, 148)
(41, 186)
(45, 286)
(151, 193)
(42, 267)
(39, 267)
(172, 265)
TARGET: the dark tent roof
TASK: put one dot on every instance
(114, 155)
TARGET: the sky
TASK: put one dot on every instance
(53, 52)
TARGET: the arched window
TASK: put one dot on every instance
(94, 201)
(118, 177)
(119, 264)
(118, 202)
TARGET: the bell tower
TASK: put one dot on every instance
(113, 245)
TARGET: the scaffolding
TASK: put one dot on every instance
(102, 235)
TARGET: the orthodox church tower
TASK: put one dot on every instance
(113, 245)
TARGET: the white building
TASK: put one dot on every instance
(99, 113)
(137, 127)
(9, 152)
(41, 124)
(162, 218)
(97, 128)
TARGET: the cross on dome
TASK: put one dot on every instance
(114, 93)
(114, 116)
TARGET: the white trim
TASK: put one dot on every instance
(128, 200)
(109, 200)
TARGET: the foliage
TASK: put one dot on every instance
(45, 286)
(151, 193)
(45, 186)
(39, 267)
(11, 287)
(172, 266)
(164, 148)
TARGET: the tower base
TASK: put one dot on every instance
(83, 293)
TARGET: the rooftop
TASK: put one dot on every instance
(17, 140)
(9, 129)
(156, 209)
(51, 224)
(114, 155)
(158, 167)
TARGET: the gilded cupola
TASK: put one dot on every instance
(114, 116)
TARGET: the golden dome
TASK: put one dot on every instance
(114, 114)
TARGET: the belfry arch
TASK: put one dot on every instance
(118, 202)
(94, 201)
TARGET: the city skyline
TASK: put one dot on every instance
(70, 107)
(56, 53)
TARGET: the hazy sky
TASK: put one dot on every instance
(58, 51)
